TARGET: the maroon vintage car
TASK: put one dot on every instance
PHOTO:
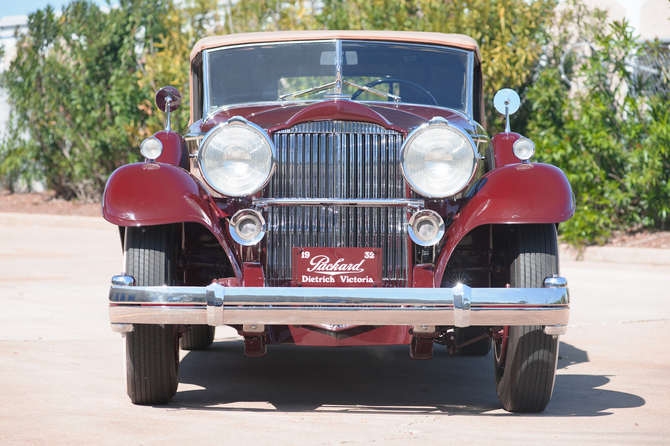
(338, 188)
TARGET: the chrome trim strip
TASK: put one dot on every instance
(123, 280)
(444, 316)
(470, 98)
(160, 315)
(356, 203)
(277, 104)
(122, 328)
(555, 282)
(462, 297)
(467, 113)
(196, 136)
(218, 305)
(338, 67)
(481, 139)
(322, 296)
(555, 330)
(214, 296)
(205, 88)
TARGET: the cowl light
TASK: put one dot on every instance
(151, 148)
(523, 148)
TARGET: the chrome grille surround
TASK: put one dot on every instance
(337, 159)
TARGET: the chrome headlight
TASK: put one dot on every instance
(247, 227)
(151, 148)
(426, 228)
(523, 149)
(236, 158)
(438, 159)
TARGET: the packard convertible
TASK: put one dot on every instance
(338, 188)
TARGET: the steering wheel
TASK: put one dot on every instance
(396, 80)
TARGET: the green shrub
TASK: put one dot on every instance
(610, 139)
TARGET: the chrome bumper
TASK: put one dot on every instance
(460, 306)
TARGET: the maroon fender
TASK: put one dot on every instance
(515, 194)
(173, 149)
(145, 194)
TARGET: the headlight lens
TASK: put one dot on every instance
(438, 160)
(236, 158)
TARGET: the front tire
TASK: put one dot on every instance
(479, 348)
(152, 351)
(199, 337)
(525, 361)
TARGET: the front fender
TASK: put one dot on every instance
(145, 194)
(514, 194)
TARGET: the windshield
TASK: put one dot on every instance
(370, 71)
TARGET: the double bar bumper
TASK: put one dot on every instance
(460, 306)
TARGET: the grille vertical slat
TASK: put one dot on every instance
(352, 190)
(337, 159)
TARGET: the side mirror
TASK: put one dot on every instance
(506, 102)
(168, 99)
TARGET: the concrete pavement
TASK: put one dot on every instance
(62, 367)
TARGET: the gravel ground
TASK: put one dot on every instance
(45, 203)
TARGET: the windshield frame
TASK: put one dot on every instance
(207, 113)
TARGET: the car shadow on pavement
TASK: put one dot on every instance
(370, 380)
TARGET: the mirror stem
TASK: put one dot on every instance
(167, 112)
(507, 129)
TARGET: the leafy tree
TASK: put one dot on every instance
(165, 61)
(82, 89)
(73, 89)
(592, 121)
(271, 15)
(510, 33)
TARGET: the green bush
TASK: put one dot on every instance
(74, 95)
(81, 90)
(611, 140)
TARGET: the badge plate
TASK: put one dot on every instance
(337, 267)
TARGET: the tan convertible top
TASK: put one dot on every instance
(452, 40)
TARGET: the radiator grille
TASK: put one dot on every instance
(337, 159)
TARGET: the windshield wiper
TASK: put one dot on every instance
(297, 94)
(373, 91)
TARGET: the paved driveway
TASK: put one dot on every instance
(62, 367)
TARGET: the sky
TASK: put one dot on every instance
(24, 7)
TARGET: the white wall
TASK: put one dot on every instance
(650, 18)
(8, 25)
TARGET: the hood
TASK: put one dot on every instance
(274, 116)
